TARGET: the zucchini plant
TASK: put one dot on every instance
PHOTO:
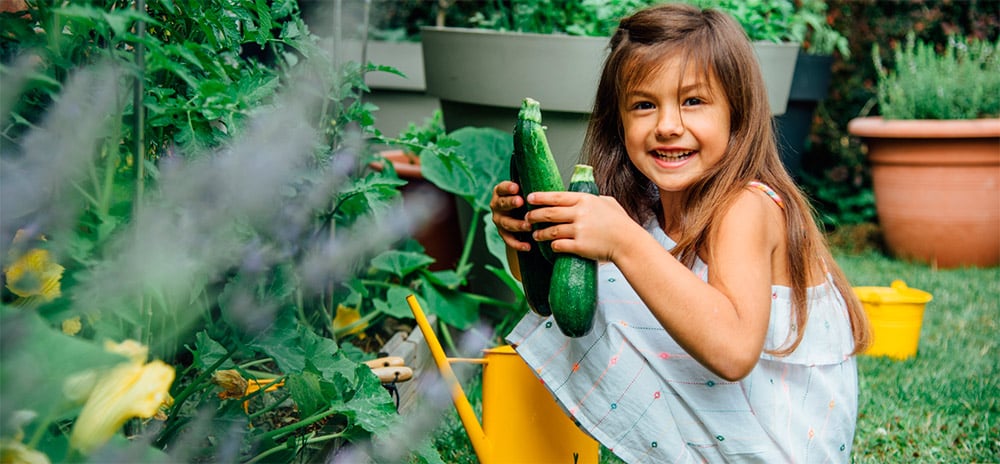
(206, 226)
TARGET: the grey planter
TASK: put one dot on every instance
(481, 76)
(810, 85)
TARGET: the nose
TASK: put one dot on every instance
(669, 123)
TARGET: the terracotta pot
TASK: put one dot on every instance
(441, 238)
(937, 187)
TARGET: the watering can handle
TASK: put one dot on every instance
(465, 412)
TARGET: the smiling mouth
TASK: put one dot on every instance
(674, 156)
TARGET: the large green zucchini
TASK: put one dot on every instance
(534, 169)
(535, 269)
(534, 161)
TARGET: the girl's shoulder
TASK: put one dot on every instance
(756, 203)
(751, 233)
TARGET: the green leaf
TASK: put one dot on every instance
(395, 304)
(370, 194)
(487, 152)
(306, 393)
(447, 278)
(207, 351)
(266, 24)
(454, 308)
(371, 406)
(295, 346)
(507, 278)
(401, 263)
(169, 5)
(494, 243)
(449, 171)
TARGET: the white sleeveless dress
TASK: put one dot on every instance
(629, 385)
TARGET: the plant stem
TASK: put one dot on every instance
(172, 419)
(483, 299)
(470, 237)
(307, 441)
(255, 362)
(268, 408)
(138, 110)
(276, 433)
(446, 335)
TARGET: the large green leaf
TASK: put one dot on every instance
(471, 169)
(207, 351)
(307, 393)
(494, 243)
(401, 263)
(294, 346)
(455, 308)
(371, 406)
(395, 304)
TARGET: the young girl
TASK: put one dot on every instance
(725, 330)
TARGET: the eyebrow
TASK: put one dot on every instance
(638, 91)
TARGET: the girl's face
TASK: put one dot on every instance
(675, 134)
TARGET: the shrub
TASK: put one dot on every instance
(961, 82)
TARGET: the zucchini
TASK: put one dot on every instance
(536, 271)
(573, 290)
(533, 159)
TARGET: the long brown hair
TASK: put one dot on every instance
(717, 46)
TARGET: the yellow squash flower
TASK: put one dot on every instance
(35, 274)
(345, 317)
(15, 452)
(234, 386)
(72, 326)
(130, 389)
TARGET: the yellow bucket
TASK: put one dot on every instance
(896, 314)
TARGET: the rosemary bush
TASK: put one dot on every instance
(961, 82)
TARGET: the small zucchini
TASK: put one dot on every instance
(573, 291)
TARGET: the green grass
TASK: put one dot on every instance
(941, 406)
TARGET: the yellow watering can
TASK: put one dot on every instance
(522, 423)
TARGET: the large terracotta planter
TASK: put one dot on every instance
(937, 187)
(441, 238)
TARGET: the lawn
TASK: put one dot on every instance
(940, 406)
(943, 405)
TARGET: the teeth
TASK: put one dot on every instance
(673, 155)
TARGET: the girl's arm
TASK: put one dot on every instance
(721, 323)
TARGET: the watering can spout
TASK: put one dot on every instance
(521, 422)
(465, 412)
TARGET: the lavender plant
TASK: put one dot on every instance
(183, 275)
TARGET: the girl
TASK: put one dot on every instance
(725, 330)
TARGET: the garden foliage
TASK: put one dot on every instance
(962, 81)
(193, 244)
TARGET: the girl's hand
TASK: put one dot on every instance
(587, 225)
(508, 214)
